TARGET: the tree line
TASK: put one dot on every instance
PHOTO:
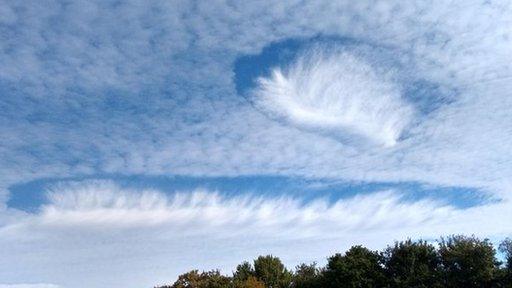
(455, 261)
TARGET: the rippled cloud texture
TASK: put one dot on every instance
(378, 92)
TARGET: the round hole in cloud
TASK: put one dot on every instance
(338, 91)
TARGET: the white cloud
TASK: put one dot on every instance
(335, 90)
(105, 204)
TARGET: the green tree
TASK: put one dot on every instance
(190, 279)
(272, 272)
(412, 264)
(359, 267)
(306, 276)
(506, 248)
(506, 275)
(467, 261)
(194, 279)
(243, 272)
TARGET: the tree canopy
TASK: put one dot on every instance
(455, 261)
(412, 264)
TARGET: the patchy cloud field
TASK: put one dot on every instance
(140, 140)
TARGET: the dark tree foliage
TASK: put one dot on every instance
(506, 273)
(458, 262)
(467, 261)
(243, 272)
(412, 264)
(506, 248)
(359, 267)
(194, 279)
(306, 276)
(272, 272)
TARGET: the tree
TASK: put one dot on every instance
(506, 248)
(359, 267)
(272, 272)
(306, 276)
(467, 261)
(459, 261)
(250, 282)
(190, 279)
(194, 279)
(412, 264)
(243, 272)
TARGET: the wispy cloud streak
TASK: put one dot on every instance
(338, 91)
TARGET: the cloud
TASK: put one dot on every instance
(105, 204)
(333, 89)
(194, 123)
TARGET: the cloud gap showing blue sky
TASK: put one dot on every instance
(423, 96)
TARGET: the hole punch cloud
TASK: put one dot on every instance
(337, 91)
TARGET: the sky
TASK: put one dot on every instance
(142, 139)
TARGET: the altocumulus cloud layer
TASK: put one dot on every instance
(97, 89)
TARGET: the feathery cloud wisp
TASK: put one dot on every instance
(103, 203)
(337, 91)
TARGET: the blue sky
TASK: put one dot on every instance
(142, 139)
